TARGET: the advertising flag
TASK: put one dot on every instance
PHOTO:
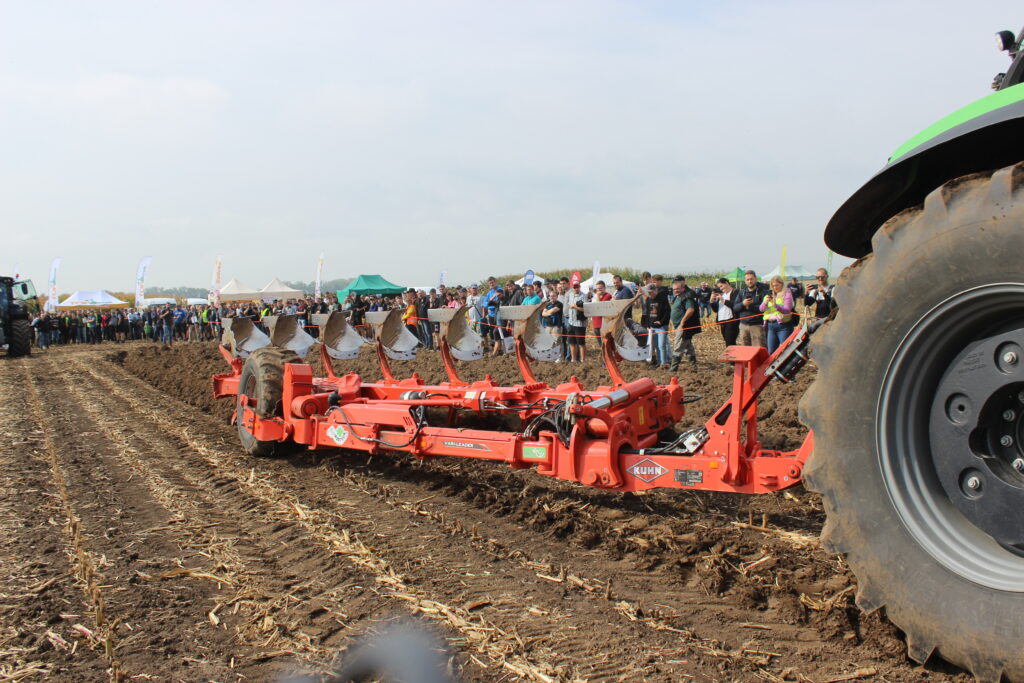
(529, 277)
(140, 281)
(215, 284)
(51, 291)
(597, 271)
(576, 278)
(440, 277)
(319, 275)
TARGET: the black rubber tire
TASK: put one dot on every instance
(262, 379)
(20, 343)
(969, 233)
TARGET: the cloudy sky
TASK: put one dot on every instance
(479, 137)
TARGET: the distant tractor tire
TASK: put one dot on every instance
(20, 343)
(918, 419)
(262, 382)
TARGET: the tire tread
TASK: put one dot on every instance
(832, 469)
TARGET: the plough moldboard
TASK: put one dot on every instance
(620, 436)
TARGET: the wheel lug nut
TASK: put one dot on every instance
(1018, 465)
(1010, 358)
(1006, 441)
(1009, 415)
(973, 483)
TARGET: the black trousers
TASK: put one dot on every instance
(730, 331)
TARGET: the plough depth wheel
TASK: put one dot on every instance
(262, 383)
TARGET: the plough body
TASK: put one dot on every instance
(619, 436)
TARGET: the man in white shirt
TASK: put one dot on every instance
(722, 301)
(473, 300)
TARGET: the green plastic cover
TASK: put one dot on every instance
(369, 284)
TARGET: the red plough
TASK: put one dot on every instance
(618, 436)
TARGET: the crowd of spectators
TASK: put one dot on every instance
(118, 325)
(164, 324)
(665, 317)
(757, 314)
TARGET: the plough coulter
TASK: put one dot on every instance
(619, 436)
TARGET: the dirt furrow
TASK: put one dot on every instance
(244, 558)
(123, 536)
(699, 566)
(104, 625)
(42, 606)
(666, 603)
(336, 534)
(593, 603)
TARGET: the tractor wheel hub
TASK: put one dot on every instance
(976, 431)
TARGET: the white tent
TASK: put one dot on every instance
(792, 271)
(587, 285)
(191, 301)
(236, 291)
(276, 289)
(83, 298)
(158, 301)
(537, 280)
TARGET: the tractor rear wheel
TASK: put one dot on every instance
(20, 343)
(262, 383)
(918, 419)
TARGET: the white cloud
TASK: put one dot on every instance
(404, 136)
(117, 103)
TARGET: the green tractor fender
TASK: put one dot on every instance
(985, 135)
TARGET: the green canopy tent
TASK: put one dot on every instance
(369, 284)
(735, 275)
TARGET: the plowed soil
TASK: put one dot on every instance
(138, 541)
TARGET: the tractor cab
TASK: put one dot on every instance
(24, 290)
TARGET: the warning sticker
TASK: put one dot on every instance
(535, 453)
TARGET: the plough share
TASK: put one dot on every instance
(620, 436)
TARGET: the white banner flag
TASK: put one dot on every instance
(215, 284)
(597, 271)
(319, 275)
(140, 281)
(51, 296)
(440, 277)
